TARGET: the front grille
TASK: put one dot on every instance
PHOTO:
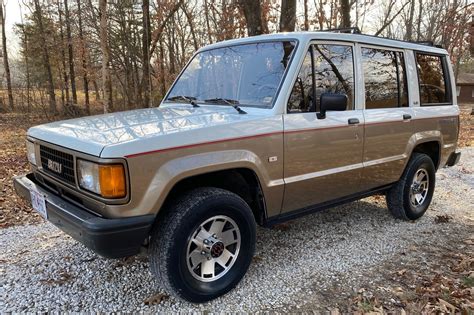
(54, 157)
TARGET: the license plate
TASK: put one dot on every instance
(38, 203)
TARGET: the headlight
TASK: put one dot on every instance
(30, 151)
(107, 180)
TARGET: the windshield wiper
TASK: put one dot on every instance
(228, 101)
(190, 99)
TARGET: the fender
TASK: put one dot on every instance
(175, 170)
(423, 137)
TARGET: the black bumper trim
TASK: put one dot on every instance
(453, 159)
(111, 238)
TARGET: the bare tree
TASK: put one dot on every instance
(63, 58)
(159, 30)
(27, 64)
(146, 39)
(306, 15)
(5, 56)
(387, 19)
(104, 45)
(288, 16)
(253, 16)
(45, 56)
(83, 59)
(346, 13)
(72, 74)
(411, 15)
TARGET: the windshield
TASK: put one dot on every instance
(248, 75)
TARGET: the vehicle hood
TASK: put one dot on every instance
(91, 135)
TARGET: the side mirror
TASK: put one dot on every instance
(332, 102)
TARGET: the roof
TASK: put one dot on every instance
(307, 36)
(465, 79)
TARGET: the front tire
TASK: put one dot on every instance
(410, 197)
(203, 245)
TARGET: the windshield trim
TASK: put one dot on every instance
(272, 40)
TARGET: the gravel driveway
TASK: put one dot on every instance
(42, 269)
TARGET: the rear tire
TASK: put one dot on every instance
(203, 245)
(410, 197)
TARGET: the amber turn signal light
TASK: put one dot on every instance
(112, 181)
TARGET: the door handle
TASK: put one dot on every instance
(353, 121)
(406, 116)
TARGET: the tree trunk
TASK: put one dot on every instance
(45, 56)
(162, 70)
(191, 27)
(253, 16)
(72, 74)
(5, 57)
(104, 46)
(84, 61)
(388, 21)
(306, 18)
(27, 64)
(146, 39)
(159, 30)
(346, 13)
(96, 89)
(208, 25)
(288, 16)
(409, 33)
(63, 59)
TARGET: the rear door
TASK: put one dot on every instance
(388, 117)
(436, 111)
(323, 157)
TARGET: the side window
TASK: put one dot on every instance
(334, 71)
(385, 78)
(432, 79)
(302, 93)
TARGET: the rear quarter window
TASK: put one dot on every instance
(433, 79)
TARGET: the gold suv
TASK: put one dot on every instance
(253, 131)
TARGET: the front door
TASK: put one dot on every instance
(323, 157)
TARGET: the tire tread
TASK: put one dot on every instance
(396, 194)
(163, 232)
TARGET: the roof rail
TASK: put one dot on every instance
(351, 30)
(427, 43)
(356, 30)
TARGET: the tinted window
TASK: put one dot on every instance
(384, 78)
(245, 74)
(301, 95)
(432, 79)
(333, 73)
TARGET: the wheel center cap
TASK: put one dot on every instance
(217, 249)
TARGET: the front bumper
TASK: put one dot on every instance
(111, 238)
(453, 159)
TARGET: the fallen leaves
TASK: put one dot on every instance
(156, 299)
(466, 133)
(285, 226)
(13, 161)
(442, 218)
(60, 278)
(441, 281)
